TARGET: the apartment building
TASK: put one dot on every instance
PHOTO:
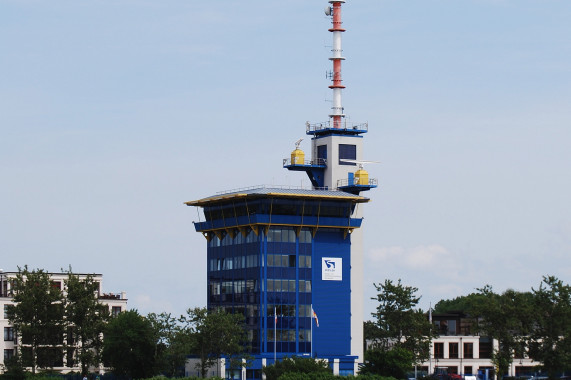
(117, 302)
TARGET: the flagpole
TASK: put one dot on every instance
(275, 332)
(311, 343)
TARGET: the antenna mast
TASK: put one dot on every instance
(337, 109)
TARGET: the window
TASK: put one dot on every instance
(439, 350)
(56, 285)
(453, 350)
(6, 308)
(8, 333)
(485, 348)
(347, 152)
(227, 287)
(305, 236)
(304, 311)
(305, 286)
(468, 369)
(284, 261)
(451, 327)
(8, 354)
(468, 350)
(305, 261)
(322, 152)
(115, 310)
(304, 335)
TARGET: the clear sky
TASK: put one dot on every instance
(114, 113)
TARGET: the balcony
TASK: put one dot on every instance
(326, 127)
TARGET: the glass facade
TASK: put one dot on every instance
(267, 277)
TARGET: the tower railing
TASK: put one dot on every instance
(329, 125)
(345, 182)
(322, 162)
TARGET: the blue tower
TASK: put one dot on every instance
(290, 260)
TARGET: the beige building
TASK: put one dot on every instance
(459, 350)
(117, 302)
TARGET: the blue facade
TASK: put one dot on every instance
(272, 257)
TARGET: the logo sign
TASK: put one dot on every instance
(332, 269)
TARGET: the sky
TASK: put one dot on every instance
(115, 113)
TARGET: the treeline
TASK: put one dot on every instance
(536, 323)
(51, 324)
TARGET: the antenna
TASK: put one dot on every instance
(298, 142)
(361, 163)
(336, 109)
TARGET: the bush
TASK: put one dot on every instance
(297, 366)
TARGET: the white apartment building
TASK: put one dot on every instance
(462, 352)
(117, 302)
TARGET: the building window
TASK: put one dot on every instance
(115, 310)
(322, 152)
(439, 350)
(485, 348)
(304, 261)
(468, 370)
(468, 350)
(8, 354)
(305, 286)
(451, 327)
(347, 152)
(6, 308)
(453, 350)
(8, 333)
(284, 261)
(304, 311)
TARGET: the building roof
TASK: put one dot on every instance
(277, 191)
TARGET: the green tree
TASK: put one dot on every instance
(86, 319)
(296, 366)
(464, 304)
(172, 344)
(393, 363)
(13, 369)
(398, 323)
(504, 317)
(37, 316)
(129, 345)
(214, 333)
(550, 340)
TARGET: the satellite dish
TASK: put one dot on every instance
(328, 11)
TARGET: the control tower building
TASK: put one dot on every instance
(291, 259)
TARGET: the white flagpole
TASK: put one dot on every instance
(275, 332)
(311, 343)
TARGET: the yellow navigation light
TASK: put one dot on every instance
(297, 157)
(361, 177)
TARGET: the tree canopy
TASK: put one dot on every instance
(214, 333)
(86, 319)
(37, 315)
(129, 346)
(550, 340)
(398, 323)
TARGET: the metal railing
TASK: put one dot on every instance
(328, 125)
(345, 182)
(317, 162)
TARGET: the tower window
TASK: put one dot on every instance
(322, 152)
(347, 152)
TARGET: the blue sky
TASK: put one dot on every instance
(113, 113)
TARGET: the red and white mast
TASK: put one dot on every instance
(337, 109)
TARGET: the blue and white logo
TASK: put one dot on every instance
(332, 269)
